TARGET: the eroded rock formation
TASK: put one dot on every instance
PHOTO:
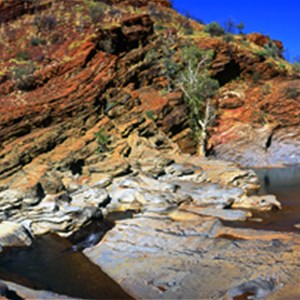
(90, 126)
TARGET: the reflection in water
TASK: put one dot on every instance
(266, 181)
(284, 183)
(279, 180)
(56, 264)
(50, 264)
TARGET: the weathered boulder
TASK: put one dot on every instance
(262, 40)
(14, 235)
(90, 197)
(113, 168)
(10, 199)
(262, 203)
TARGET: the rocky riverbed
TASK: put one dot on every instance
(175, 245)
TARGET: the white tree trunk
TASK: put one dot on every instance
(201, 147)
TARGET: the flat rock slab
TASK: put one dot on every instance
(198, 258)
(222, 214)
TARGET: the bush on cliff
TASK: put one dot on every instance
(214, 29)
(23, 76)
(292, 91)
(45, 22)
(102, 139)
(270, 50)
(97, 12)
(296, 66)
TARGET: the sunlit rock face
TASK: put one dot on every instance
(259, 126)
(96, 128)
(261, 147)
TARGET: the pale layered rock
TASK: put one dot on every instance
(222, 214)
(53, 213)
(106, 186)
(113, 167)
(209, 194)
(27, 293)
(179, 170)
(262, 203)
(100, 180)
(10, 199)
(90, 197)
(261, 147)
(14, 235)
(223, 173)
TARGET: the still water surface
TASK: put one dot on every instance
(50, 263)
(284, 183)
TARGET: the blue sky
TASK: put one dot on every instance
(278, 18)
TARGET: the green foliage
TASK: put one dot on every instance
(262, 53)
(170, 66)
(214, 29)
(245, 43)
(188, 29)
(196, 83)
(164, 92)
(228, 37)
(231, 27)
(45, 22)
(34, 42)
(240, 27)
(97, 11)
(296, 65)
(282, 65)
(150, 114)
(152, 56)
(272, 50)
(102, 139)
(266, 89)
(23, 76)
(23, 56)
(159, 27)
(269, 50)
(107, 45)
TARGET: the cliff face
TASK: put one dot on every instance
(66, 93)
(92, 122)
(70, 68)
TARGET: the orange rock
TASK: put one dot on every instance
(258, 39)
